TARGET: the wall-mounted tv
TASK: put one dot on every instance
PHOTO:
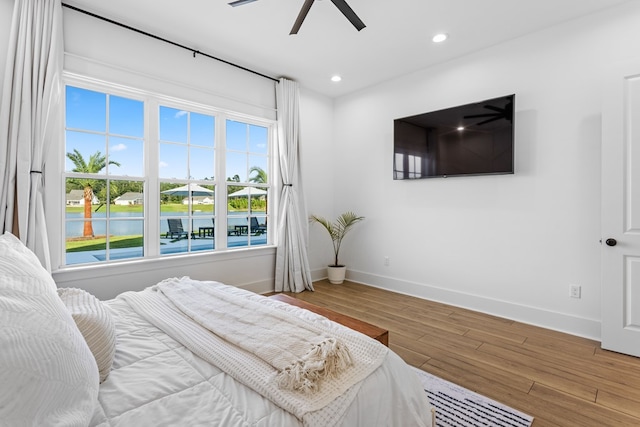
(472, 139)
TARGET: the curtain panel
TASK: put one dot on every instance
(30, 119)
(292, 263)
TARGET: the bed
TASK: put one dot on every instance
(69, 359)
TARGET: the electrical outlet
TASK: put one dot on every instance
(386, 261)
(574, 291)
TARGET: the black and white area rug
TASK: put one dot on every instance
(459, 407)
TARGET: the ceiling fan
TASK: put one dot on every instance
(340, 4)
(498, 113)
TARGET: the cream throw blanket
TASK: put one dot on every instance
(303, 355)
(324, 407)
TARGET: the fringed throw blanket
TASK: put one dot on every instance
(302, 354)
(311, 369)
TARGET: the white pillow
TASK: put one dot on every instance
(9, 242)
(95, 323)
(48, 375)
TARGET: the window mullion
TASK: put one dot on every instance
(152, 173)
(220, 179)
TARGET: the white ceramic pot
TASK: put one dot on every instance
(336, 274)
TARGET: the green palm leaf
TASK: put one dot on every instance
(338, 229)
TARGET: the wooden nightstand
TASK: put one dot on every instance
(368, 329)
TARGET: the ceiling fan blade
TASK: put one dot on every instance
(349, 13)
(473, 116)
(240, 2)
(303, 14)
(489, 120)
(491, 107)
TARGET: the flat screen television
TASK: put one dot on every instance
(471, 139)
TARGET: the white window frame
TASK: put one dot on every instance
(152, 218)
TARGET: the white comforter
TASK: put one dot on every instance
(156, 381)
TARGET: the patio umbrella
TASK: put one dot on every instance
(248, 191)
(188, 189)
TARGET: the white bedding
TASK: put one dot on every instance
(156, 381)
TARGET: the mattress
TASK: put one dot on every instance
(156, 381)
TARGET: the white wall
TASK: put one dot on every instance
(316, 147)
(509, 244)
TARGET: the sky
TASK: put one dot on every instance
(95, 121)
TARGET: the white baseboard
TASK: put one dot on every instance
(587, 328)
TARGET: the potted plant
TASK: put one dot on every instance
(337, 230)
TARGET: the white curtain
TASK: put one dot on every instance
(30, 118)
(292, 263)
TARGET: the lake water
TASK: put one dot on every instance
(120, 225)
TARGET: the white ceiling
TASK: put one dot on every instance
(396, 41)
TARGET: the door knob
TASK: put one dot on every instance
(611, 242)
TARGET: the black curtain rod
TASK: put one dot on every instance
(153, 36)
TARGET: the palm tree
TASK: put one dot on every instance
(260, 177)
(96, 163)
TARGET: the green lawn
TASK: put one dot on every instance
(168, 207)
(100, 243)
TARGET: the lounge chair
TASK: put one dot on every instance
(175, 229)
(256, 228)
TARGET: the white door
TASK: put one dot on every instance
(621, 211)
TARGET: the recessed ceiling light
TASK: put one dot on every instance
(439, 38)
(336, 78)
(460, 128)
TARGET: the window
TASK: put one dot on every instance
(186, 170)
(142, 177)
(407, 166)
(104, 179)
(247, 163)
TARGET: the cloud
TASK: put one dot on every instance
(118, 147)
(163, 164)
(180, 114)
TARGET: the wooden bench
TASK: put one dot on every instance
(368, 329)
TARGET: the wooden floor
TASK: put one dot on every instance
(559, 379)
